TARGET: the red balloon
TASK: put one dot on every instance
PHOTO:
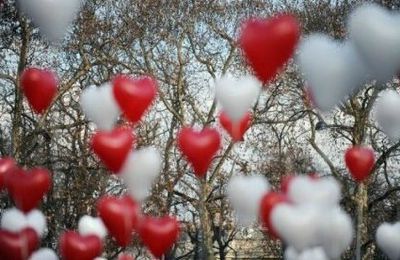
(18, 246)
(125, 257)
(113, 147)
(199, 147)
(235, 129)
(73, 246)
(27, 188)
(360, 161)
(159, 234)
(268, 44)
(120, 216)
(39, 87)
(7, 164)
(268, 203)
(134, 96)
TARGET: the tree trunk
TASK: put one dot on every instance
(205, 236)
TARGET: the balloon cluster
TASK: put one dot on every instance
(305, 214)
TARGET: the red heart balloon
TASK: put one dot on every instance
(39, 87)
(235, 129)
(134, 96)
(360, 161)
(120, 216)
(268, 44)
(113, 147)
(18, 246)
(27, 188)
(268, 203)
(6, 165)
(159, 234)
(73, 246)
(125, 257)
(199, 147)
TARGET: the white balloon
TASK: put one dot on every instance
(376, 33)
(386, 113)
(332, 69)
(14, 220)
(316, 253)
(52, 16)
(237, 96)
(100, 106)
(92, 226)
(37, 220)
(297, 225)
(245, 194)
(323, 192)
(336, 233)
(44, 254)
(388, 239)
(140, 170)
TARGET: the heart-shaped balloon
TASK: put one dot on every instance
(113, 147)
(199, 147)
(333, 69)
(388, 239)
(386, 107)
(336, 233)
(27, 188)
(14, 220)
(55, 23)
(140, 170)
(18, 246)
(237, 96)
(6, 165)
(235, 129)
(368, 23)
(268, 44)
(159, 234)
(298, 226)
(120, 215)
(92, 226)
(316, 253)
(245, 194)
(39, 87)
(323, 192)
(44, 254)
(360, 162)
(100, 106)
(268, 202)
(134, 95)
(74, 246)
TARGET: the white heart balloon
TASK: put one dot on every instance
(323, 192)
(376, 33)
(333, 70)
(386, 113)
(52, 16)
(388, 239)
(140, 170)
(100, 106)
(92, 226)
(245, 194)
(336, 232)
(14, 220)
(297, 225)
(237, 96)
(44, 254)
(316, 253)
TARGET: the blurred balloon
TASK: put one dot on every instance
(44, 254)
(18, 246)
(14, 220)
(7, 164)
(235, 129)
(386, 113)
(388, 239)
(268, 202)
(89, 225)
(74, 246)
